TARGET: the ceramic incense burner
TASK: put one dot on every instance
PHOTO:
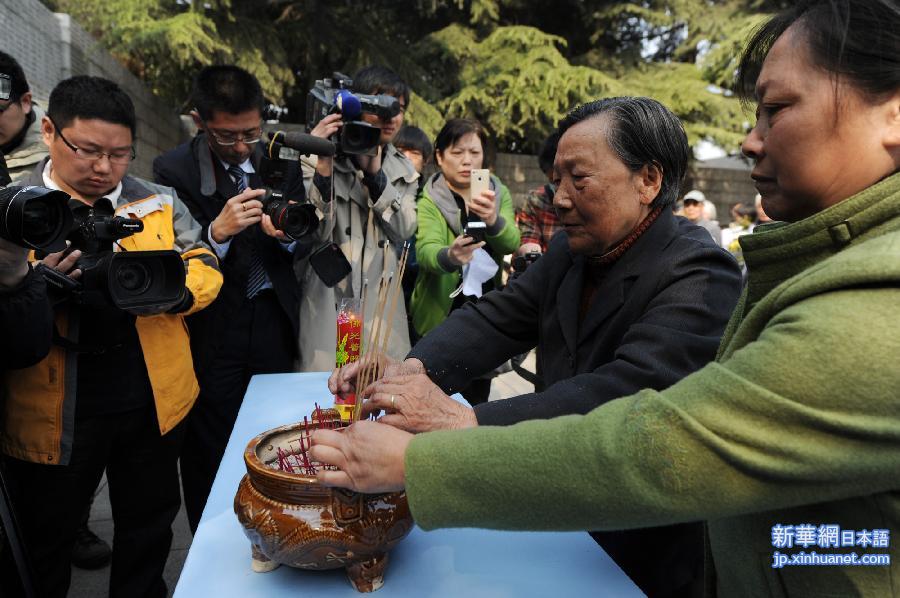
(292, 520)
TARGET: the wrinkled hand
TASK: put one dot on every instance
(325, 128)
(13, 264)
(484, 205)
(368, 454)
(462, 249)
(239, 212)
(342, 381)
(416, 404)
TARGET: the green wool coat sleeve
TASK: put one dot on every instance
(806, 413)
(431, 236)
(507, 240)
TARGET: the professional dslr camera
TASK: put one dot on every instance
(329, 96)
(141, 280)
(296, 220)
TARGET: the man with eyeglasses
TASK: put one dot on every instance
(116, 387)
(252, 327)
(20, 122)
(371, 215)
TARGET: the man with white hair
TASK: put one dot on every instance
(693, 210)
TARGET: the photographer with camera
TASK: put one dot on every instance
(25, 312)
(369, 204)
(118, 381)
(252, 327)
(26, 317)
(23, 148)
(20, 122)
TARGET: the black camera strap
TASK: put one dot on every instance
(70, 345)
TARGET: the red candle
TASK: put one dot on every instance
(349, 338)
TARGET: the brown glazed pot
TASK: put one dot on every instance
(292, 520)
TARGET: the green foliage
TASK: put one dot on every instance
(516, 82)
(706, 113)
(720, 64)
(425, 116)
(164, 42)
(516, 65)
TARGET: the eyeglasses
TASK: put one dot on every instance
(228, 138)
(119, 157)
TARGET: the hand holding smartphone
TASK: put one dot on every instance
(479, 181)
(477, 230)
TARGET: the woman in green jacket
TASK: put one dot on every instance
(443, 249)
(788, 445)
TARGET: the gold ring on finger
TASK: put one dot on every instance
(392, 403)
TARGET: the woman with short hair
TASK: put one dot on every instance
(443, 249)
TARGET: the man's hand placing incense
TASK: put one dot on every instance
(368, 454)
(416, 404)
(342, 381)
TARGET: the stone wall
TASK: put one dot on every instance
(519, 172)
(52, 47)
(724, 187)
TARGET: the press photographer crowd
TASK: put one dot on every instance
(715, 380)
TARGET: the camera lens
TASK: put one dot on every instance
(298, 220)
(34, 217)
(133, 277)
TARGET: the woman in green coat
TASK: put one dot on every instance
(442, 249)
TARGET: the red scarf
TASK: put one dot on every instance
(596, 267)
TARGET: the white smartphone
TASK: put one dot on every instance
(479, 181)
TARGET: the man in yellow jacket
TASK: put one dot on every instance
(116, 386)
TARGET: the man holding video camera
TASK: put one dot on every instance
(23, 148)
(370, 210)
(24, 308)
(26, 316)
(252, 327)
(118, 381)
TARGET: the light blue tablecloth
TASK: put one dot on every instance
(460, 563)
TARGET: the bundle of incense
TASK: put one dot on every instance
(375, 347)
(296, 458)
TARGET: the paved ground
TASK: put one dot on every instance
(94, 584)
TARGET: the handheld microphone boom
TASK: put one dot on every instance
(303, 143)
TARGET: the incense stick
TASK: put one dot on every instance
(398, 289)
(377, 342)
(364, 376)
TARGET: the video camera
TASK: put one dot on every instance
(126, 280)
(330, 96)
(32, 217)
